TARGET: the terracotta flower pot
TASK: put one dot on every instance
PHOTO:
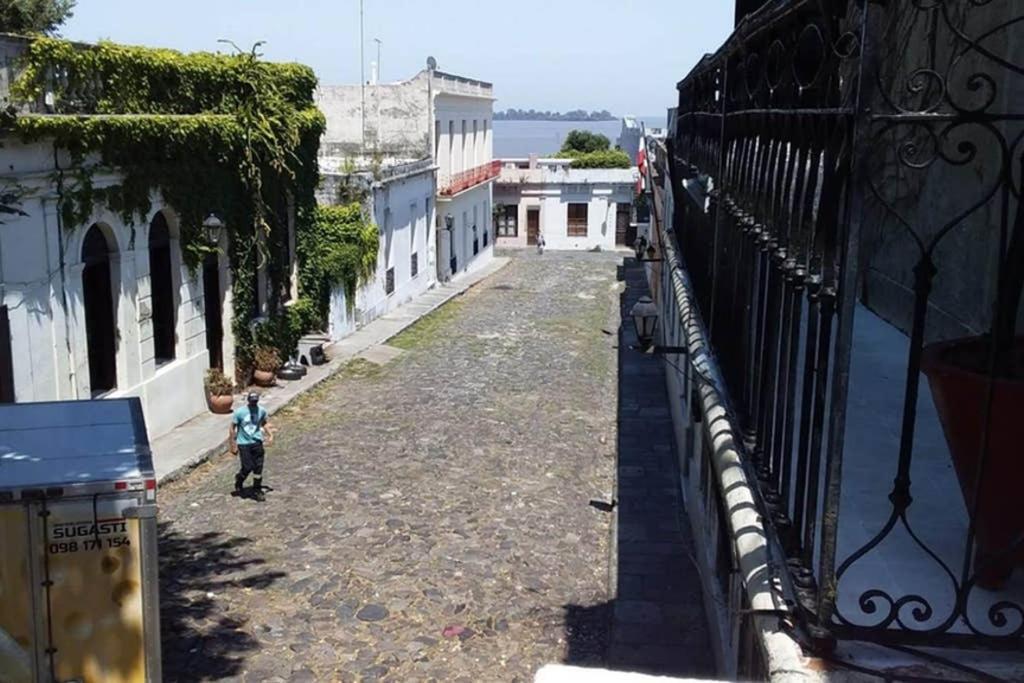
(960, 394)
(263, 378)
(221, 405)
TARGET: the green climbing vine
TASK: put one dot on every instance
(227, 134)
(338, 249)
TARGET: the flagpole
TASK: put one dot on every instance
(362, 80)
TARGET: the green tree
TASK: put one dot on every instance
(584, 142)
(34, 16)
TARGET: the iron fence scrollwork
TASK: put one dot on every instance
(818, 134)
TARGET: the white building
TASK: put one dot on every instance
(571, 208)
(105, 309)
(433, 116)
(629, 137)
(463, 149)
(400, 200)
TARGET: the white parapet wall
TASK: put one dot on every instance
(559, 673)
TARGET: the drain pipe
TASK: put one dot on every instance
(72, 375)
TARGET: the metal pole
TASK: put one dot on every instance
(380, 73)
(376, 92)
(362, 80)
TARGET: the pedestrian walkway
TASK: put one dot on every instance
(659, 624)
(204, 436)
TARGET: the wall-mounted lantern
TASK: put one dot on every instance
(645, 320)
(213, 227)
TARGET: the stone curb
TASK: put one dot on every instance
(334, 365)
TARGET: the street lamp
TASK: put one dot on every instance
(449, 222)
(639, 245)
(645, 253)
(213, 227)
(645, 320)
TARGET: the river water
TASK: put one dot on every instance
(523, 138)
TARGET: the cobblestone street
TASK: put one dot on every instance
(429, 518)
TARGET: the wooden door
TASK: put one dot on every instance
(532, 225)
(99, 326)
(212, 311)
(622, 226)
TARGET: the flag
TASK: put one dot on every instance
(641, 164)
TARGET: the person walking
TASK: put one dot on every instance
(249, 430)
(540, 243)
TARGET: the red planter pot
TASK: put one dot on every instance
(960, 395)
(221, 405)
(263, 378)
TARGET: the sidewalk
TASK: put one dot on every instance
(205, 436)
(659, 625)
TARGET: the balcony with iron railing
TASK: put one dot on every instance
(846, 210)
(449, 185)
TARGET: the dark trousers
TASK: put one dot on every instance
(251, 459)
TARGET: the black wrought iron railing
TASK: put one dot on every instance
(839, 161)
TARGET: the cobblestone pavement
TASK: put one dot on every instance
(429, 518)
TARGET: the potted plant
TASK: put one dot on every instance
(218, 391)
(266, 361)
(959, 374)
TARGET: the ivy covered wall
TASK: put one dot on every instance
(210, 133)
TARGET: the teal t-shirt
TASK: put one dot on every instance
(249, 425)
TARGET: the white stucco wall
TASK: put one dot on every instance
(468, 209)
(396, 118)
(629, 137)
(463, 104)
(455, 151)
(404, 210)
(552, 190)
(37, 286)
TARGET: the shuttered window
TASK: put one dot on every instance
(577, 226)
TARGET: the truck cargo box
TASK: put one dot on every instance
(78, 567)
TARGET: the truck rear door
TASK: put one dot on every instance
(93, 583)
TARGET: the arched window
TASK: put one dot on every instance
(161, 284)
(97, 296)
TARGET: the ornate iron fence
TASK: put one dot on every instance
(827, 147)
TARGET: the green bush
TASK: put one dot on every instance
(584, 142)
(217, 383)
(603, 159)
(266, 358)
(282, 331)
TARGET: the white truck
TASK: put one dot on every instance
(78, 544)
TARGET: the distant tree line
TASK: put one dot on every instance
(534, 115)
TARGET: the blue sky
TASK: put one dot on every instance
(624, 56)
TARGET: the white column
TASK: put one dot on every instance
(488, 140)
(76, 326)
(144, 318)
(227, 311)
(125, 291)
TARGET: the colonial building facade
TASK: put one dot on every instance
(107, 309)
(571, 208)
(105, 305)
(463, 149)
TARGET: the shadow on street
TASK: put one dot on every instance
(200, 640)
